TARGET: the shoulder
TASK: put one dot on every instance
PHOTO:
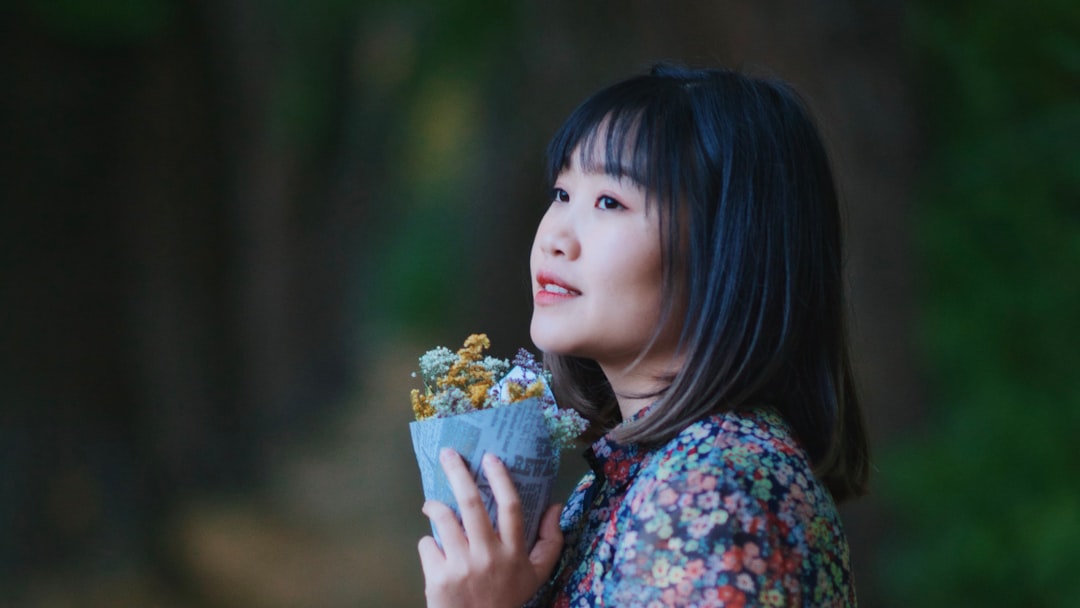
(733, 500)
(741, 447)
(747, 463)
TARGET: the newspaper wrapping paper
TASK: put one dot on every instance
(516, 433)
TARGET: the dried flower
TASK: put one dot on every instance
(463, 382)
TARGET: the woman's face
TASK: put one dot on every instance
(596, 272)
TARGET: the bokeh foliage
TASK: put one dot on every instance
(988, 494)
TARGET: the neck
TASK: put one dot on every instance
(636, 385)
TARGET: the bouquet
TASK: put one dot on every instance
(477, 404)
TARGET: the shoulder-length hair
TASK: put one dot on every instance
(752, 248)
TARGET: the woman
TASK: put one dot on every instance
(689, 300)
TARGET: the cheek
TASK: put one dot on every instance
(538, 237)
(534, 261)
(648, 278)
(534, 251)
(637, 276)
(643, 263)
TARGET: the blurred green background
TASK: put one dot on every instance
(230, 227)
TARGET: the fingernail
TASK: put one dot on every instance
(447, 454)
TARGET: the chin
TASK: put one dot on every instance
(550, 342)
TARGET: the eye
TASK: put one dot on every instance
(559, 195)
(608, 204)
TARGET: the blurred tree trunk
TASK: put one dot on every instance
(174, 303)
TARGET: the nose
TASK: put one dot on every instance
(556, 237)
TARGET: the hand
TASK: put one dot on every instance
(479, 567)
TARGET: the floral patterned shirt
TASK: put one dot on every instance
(728, 513)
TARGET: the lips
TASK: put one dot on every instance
(553, 289)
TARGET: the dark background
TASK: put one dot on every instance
(229, 228)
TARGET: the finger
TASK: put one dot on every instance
(545, 553)
(474, 517)
(431, 557)
(446, 524)
(511, 521)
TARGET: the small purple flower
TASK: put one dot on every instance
(526, 360)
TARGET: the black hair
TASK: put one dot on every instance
(751, 238)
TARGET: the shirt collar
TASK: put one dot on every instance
(617, 463)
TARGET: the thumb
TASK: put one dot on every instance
(545, 552)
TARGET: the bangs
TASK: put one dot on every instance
(623, 132)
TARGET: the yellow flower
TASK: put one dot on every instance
(478, 393)
(536, 389)
(514, 392)
(474, 345)
(468, 372)
(421, 405)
